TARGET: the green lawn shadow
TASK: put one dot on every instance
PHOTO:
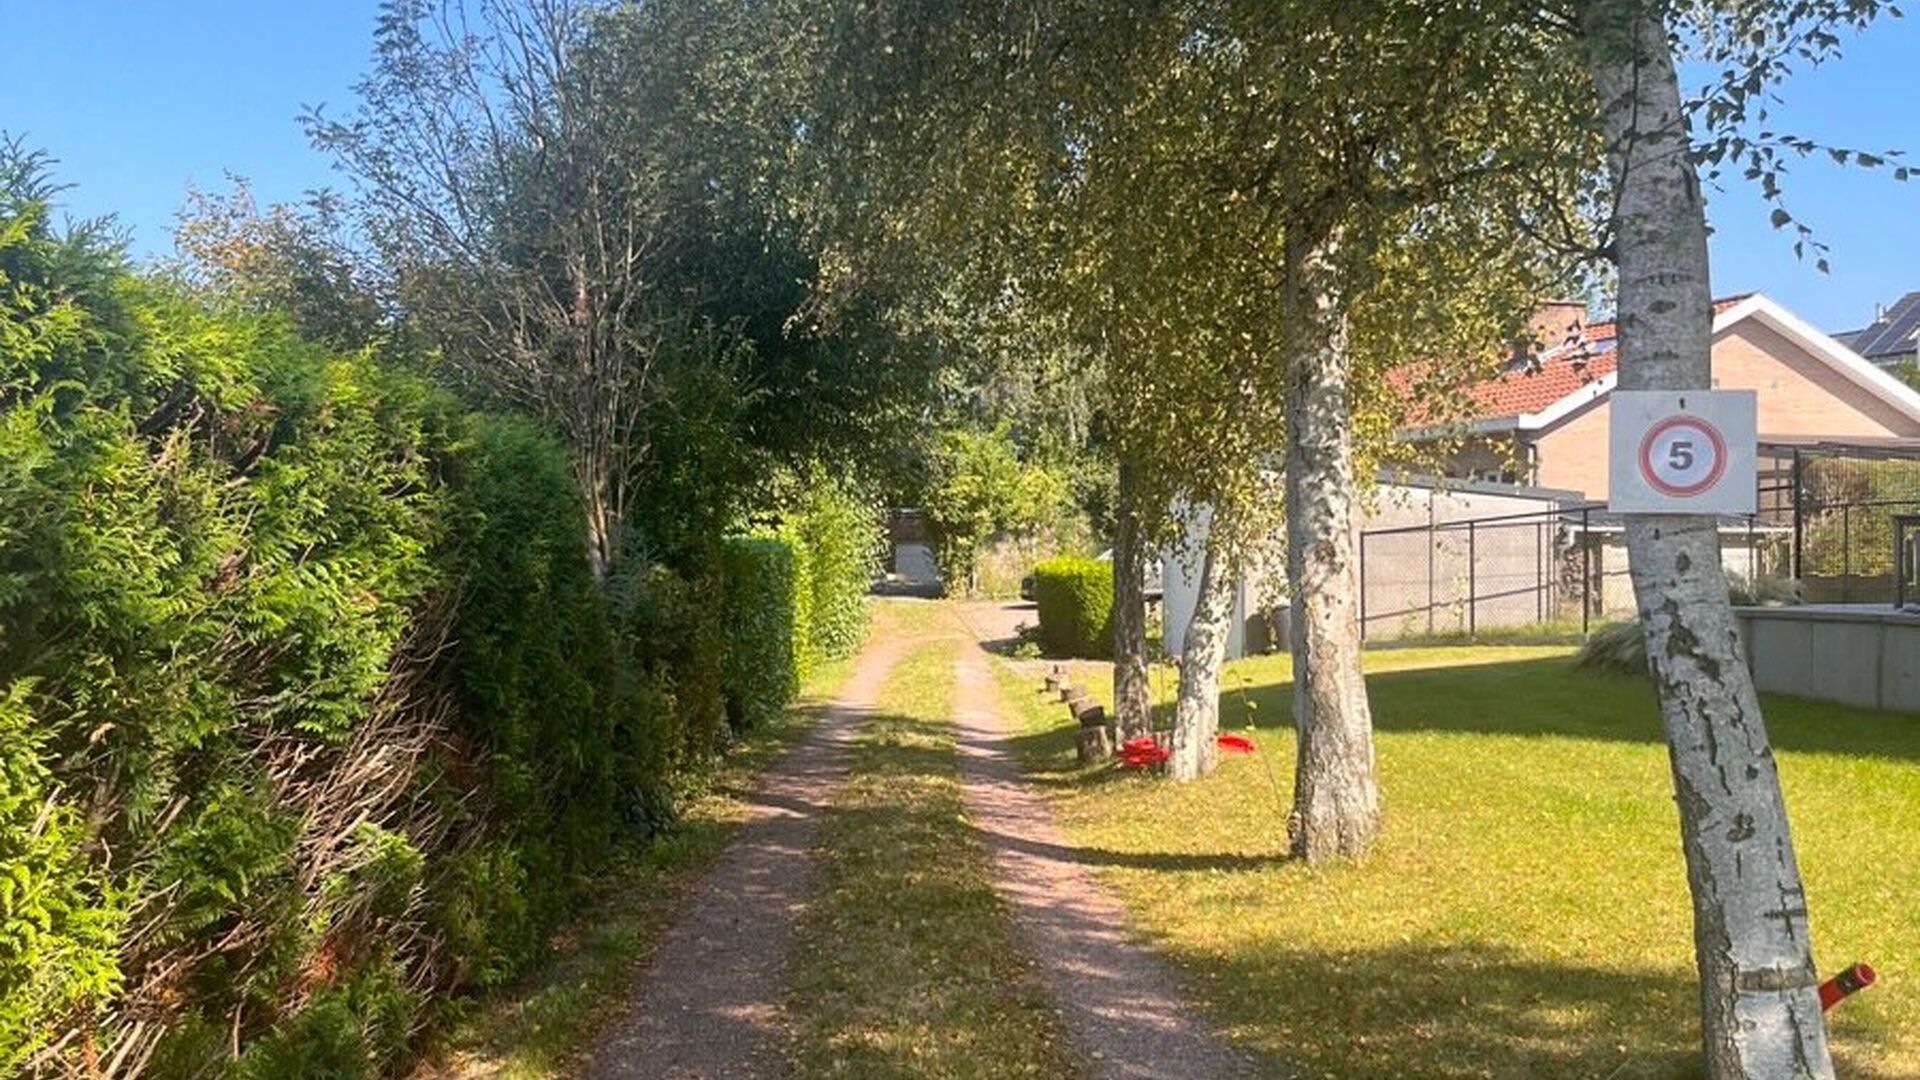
(1550, 697)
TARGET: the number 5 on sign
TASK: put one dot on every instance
(1681, 452)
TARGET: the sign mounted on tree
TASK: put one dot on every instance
(1682, 452)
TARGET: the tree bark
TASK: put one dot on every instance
(1196, 719)
(1336, 803)
(1760, 1010)
(1132, 701)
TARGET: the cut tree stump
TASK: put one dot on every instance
(1096, 743)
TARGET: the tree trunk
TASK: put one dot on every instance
(1132, 701)
(1336, 800)
(1760, 1010)
(603, 530)
(1196, 721)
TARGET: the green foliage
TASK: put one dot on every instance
(767, 601)
(324, 655)
(978, 486)
(59, 924)
(1619, 647)
(1849, 510)
(844, 541)
(1075, 598)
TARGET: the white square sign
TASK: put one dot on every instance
(1682, 452)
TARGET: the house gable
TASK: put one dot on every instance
(1807, 385)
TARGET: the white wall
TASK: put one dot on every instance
(1180, 582)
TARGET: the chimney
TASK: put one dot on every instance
(1558, 322)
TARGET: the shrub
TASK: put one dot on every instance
(844, 541)
(59, 929)
(310, 709)
(979, 487)
(766, 603)
(1619, 647)
(1075, 598)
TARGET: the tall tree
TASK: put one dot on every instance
(1760, 1009)
(522, 203)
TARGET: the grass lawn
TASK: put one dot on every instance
(905, 965)
(539, 1028)
(1525, 913)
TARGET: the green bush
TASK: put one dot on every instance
(978, 486)
(1619, 647)
(767, 598)
(304, 677)
(844, 541)
(1075, 598)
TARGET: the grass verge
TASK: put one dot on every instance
(905, 965)
(1525, 912)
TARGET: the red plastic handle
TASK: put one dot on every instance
(1844, 985)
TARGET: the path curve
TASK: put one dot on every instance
(708, 1006)
(1120, 1004)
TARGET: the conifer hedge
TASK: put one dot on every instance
(311, 711)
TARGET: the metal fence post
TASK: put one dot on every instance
(1798, 515)
(1433, 544)
(1753, 558)
(1586, 569)
(1473, 587)
(1846, 553)
(1539, 572)
(1363, 584)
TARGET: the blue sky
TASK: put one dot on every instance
(139, 98)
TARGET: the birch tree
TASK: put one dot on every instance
(1760, 1009)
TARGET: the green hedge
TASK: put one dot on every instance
(767, 602)
(1075, 598)
(307, 660)
(844, 542)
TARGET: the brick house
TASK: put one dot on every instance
(1545, 423)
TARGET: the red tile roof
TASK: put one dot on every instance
(1561, 371)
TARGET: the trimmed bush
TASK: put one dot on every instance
(767, 602)
(1075, 597)
(844, 542)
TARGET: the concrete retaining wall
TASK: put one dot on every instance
(1855, 654)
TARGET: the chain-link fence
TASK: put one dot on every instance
(1837, 502)
(1543, 570)
(1825, 520)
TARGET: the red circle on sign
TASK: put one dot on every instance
(1682, 491)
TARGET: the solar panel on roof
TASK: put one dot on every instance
(1898, 337)
(1895, 332)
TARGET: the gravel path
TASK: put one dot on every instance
(708, 1004)
(1119, 1002)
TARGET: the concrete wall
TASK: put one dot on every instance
(1866, 655)
(1420, 581)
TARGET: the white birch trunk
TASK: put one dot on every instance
(1760, 1011)
(1336, 801)
(1132, 699)
(1196, 712)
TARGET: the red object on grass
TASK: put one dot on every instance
(1235, 744)
(1844, 985)
(1142, 752)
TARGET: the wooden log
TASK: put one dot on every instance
(1091, 715)
(1096, 744)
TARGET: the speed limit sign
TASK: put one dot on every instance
(1686, 452)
